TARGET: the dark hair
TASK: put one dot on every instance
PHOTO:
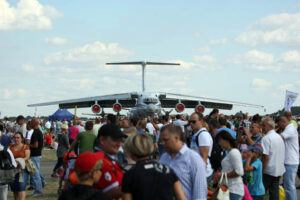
(177, 116)
(214, 111)
(165, 118)
(226, 136)
(1, 127)
(134, 121)
(22, 137)
(89, 125)
(20, 117)
(214, 123)
(112, 118)
(222, 121)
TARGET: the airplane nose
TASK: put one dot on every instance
(151, 107)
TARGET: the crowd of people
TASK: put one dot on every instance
(160, 157)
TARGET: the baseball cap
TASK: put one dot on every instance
(111, 130)
(86, 161)
(258, 148)
(231, 132)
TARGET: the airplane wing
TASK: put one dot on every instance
(141, 63)
(169, 100)
(105, 101)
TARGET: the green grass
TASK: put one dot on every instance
(49, 191)
(49, 155)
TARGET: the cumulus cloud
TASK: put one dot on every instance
(260, 83)
(287, 86)
(28, 67)
(56, 41)
(204, 49)
(279, 29)
(218, 41)
(96, 51)
(27, 15)
(291, 57)
(262, 61)
(205, 59)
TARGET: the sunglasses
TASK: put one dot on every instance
(192, 121)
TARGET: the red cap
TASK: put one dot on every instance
(87, 160)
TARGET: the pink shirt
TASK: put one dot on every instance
(73, 132)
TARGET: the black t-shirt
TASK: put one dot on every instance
(149, 180)
(36, 136)
(82, 192)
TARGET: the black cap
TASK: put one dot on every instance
(111, 130)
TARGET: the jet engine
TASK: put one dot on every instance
(117, 107)
(199, 108)
(179, 107)
(96, 108)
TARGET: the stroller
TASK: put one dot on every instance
(67, 176)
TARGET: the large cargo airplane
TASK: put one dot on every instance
(144, 104)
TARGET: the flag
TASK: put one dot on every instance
(290, 98)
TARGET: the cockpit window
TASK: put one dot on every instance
(150, 100)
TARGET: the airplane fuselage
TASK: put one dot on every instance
(148, 104)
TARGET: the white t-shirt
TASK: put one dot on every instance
(29, 134)
(205, 140)
(233, 161)
(96, 128)
(22, 129)
(273, 146)
(150, 128)
(290, 135)
(180, 123)
(48, 125)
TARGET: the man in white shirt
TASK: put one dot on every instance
(291, 161)
(97, 126)
(21, 125)
(180, 122)
(273, 158)
(202, 142)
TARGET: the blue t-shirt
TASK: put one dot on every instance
(257, 187)
(5, 141)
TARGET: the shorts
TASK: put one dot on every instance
(17, 186)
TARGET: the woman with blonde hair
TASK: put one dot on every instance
(148, 179)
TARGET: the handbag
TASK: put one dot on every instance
(30, 166)
(223, 193)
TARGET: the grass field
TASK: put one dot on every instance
(50, 190)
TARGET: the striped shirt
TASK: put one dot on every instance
(190, 169)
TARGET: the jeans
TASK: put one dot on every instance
(271, 183)
(37, 177)
(235, 196)
(289, 178)
(59, 163)
(3, 192)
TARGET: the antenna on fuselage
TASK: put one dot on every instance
(143, 64)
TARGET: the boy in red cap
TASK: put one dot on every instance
(88, 168)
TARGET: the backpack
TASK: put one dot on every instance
(217, 155)
(7, 169)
